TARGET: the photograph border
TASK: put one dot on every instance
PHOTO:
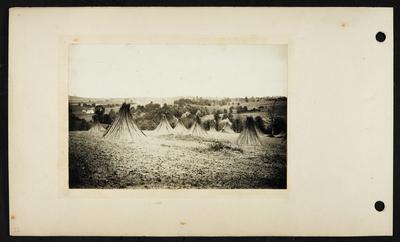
(66, 42)
(64, 191)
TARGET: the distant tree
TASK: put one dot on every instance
(113, 115)
(84, 125)
(140, 109)
(206, 111)
(145, 124)
(151, 107)
(187, 121)
(207, 124)
(272, 115)
(237, 125)
(76, 123)
(183, 101)
(190, 110)
(217, 119)
(246, 99)
(279, 126)
(260, 124)
(230, 117)
(99, 110)
(106, 119)
(98, 113)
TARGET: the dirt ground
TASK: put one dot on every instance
(175, 162)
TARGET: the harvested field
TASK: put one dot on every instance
(175, 162)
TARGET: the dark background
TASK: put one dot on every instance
(6, 4)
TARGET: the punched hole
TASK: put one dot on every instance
(379, 206)
(380, 36)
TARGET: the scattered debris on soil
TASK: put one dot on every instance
(175, 162)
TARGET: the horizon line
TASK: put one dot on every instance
(180, 96)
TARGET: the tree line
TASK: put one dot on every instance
(148, 116)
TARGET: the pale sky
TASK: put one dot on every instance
(177, 70)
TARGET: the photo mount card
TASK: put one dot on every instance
(177, 122)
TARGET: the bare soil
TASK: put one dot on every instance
(175, 162)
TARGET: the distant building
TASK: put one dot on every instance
(262, 108)
(88, 111)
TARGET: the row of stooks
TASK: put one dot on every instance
(124, 128)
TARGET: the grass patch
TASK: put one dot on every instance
(219, 146)
(274, 158)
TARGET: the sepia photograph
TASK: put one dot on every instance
(177, 116)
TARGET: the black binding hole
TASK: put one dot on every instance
(380, 36)
(379, 206)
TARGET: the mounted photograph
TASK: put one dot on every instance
(177, 116)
